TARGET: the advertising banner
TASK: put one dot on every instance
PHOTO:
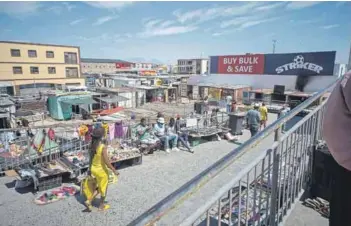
(311, 63)
(240, 64)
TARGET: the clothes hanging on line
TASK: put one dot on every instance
(111, 129)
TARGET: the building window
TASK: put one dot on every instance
(71, 72)
(17, 70)
(34, 70)
(71, 58)
(32, 53)
(50, 54)
(52, 70)
(15, 52)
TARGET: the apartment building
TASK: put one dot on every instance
(27, 68)
(340, 69)
(192, 66)
(103, 66)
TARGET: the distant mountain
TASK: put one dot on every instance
(144, 60)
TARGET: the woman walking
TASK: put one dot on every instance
(99, 164)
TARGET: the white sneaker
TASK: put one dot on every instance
(175, 149)
(167, 150)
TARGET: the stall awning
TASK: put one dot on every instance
(79, 101)
(113, 99)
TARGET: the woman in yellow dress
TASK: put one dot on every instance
(99, 164)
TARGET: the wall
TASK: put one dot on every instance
(204, 64)
(262, 81)
(41, 61)
(340, 70)
(98, 67)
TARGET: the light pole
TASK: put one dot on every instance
(274, 42)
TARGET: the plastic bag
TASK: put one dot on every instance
(88, 187)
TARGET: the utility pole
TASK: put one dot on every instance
(274, 42)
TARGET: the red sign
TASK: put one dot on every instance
(242, 64)
(123, 65)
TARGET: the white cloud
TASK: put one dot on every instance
(270, 6)
(103, 20)
(110, 5)
(331, 26)
(164, 31)
(256, 22)
(19, 9)
(55, 9)
(75, 22)
(105, 37)
(217, 34)
(206, 14)
(300, 5)
(68, 6)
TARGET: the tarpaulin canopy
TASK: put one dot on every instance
(79, 101)
(113, 99)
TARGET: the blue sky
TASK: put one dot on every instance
(166, 31)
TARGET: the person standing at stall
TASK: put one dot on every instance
(253, 119)
(99, 165)
(228, 103)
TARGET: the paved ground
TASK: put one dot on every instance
(138, 189)
(304, 216)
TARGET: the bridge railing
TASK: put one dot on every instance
(262, 193)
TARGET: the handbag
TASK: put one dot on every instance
(88, 187)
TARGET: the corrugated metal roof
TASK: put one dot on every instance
(113, 99)
(94, 60)
(4, 101)
(78, 101)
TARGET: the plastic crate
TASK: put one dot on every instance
(49, 182)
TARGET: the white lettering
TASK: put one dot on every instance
(306, 66)
(229, 60)
(246, 69)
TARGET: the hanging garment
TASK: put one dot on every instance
(119, 130)
(88, 134)
(75, 133)
(105, 126)
(125, 131)
(83, 129)
(111, 129)
(51, 134)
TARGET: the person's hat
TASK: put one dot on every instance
(161, 120)
(98, 133)
(256, 105)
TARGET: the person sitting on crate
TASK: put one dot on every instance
(146, 137)
(161, 132)
(174, 128)
(337, 134)
(99, 168)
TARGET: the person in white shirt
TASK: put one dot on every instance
(161, 132)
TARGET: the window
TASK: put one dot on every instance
(34, 70)
(32, 53)
(17, 70)
(71, 58)
(52, 70)
(50, 54)
(15, 52)
(71, 72)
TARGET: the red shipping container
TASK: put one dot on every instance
(241, 64)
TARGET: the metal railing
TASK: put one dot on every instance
(262, 193)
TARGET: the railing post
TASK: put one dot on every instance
(274, 183)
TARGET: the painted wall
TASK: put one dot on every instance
(262, 81)
(7, 62)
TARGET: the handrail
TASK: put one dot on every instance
(173, 200)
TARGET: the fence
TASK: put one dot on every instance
(262, 193)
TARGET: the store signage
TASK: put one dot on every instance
(241, 64)
(314, 63)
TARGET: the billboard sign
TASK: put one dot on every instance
(240, 64)
(311, 63)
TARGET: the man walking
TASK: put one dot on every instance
(253, 120)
